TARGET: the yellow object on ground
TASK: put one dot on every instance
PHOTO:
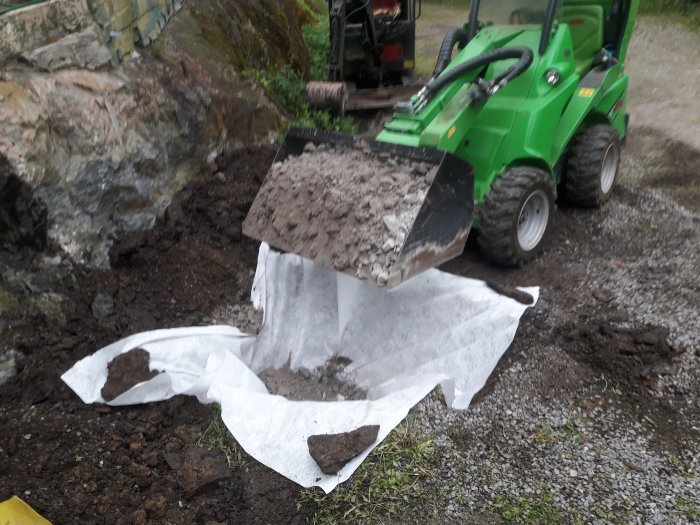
(14, 511)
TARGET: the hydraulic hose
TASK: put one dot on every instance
(524, 54)
(456, 36)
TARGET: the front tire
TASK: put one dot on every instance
(517, 215)
(593, 164)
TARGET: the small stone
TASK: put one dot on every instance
(430, 177)
(603, 295)
(102, 306)
(309, 147)
(219, 176)
(388, 245)
(665, 369)
(392, 223)
(573, 473)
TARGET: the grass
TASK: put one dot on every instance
(688, 507)
(535, 510)
(387, 484)
(569, 430)
(217, 437)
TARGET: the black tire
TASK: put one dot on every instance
(509, 234)
(593, 164)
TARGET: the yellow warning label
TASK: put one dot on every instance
(586, 92)
(451, 132)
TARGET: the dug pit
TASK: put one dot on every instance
(345, 208)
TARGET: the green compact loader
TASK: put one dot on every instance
(528, 99)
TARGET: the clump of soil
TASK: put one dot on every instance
(331, 452)
(513, 293)
(325, 383)
(631, 353)
(345, 208)
(125, 371)
(199, 470)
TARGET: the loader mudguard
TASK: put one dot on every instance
(600, 95)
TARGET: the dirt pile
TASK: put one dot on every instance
(633, 354)
(325, 383)
(348, 209)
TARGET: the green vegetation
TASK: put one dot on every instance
(287, 88)
(217, 437)
(388, 482)
(8, 302)
(568, 431)
(688, 507)
(535, 510)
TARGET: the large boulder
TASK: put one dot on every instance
(99, 152)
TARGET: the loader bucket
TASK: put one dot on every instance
(381, 212)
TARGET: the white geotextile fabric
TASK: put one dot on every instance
(433, 329)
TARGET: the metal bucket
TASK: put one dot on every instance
(435, 227)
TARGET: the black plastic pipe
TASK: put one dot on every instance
(456, 36)
(524, 54)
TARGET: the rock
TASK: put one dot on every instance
(603, 295)
(665, 369)
(102, 306)
(333, 451)
(106, 148)
(430, 177)
(199, 470)
(9, 358)
(392, 223)
(83, 50)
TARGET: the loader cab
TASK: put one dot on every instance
(599, 28)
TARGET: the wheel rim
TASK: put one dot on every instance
(533, 219)
(609, 168)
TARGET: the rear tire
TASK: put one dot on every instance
(517, 215)
(593, 164)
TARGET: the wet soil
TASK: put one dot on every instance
(96, 464)
(91, 463)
